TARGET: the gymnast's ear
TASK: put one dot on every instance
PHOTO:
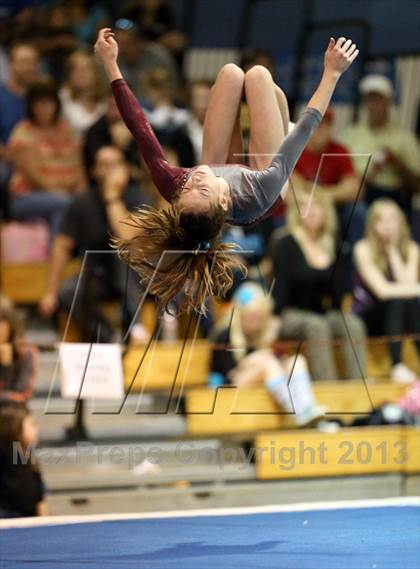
(224, 199)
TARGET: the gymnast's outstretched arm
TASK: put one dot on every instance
(269, 182)
(165, 177)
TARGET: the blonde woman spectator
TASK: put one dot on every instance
(307, 288)
(46, 157)
(82, 97)
(243, 355)
(387, 291)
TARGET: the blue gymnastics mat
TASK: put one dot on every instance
(379, 534)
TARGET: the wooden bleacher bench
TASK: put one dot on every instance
(379, 361)
(351, 451)
(165, 367)
(26, 283)
(232, 411)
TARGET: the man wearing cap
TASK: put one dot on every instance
(394, 169)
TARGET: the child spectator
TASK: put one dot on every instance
(387, 291)
(244, 356)
(46, 157)
(22, 492)
(307, 288)
(18, 360)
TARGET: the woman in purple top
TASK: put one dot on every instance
(158, 243)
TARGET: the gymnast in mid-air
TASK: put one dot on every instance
(178, 249)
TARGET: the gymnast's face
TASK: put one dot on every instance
(202, 189)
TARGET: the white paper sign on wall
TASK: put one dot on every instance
(91, 371)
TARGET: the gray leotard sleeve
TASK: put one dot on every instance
(260, 189)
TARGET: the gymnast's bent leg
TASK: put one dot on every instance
(221, 135)
(269, 116)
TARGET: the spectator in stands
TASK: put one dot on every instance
(87, 224)
(18, 360)
(55, 38)
(110, 130)
(244, 355)
(159, 94)
(4, 66)
(156, 20)
(22, 492)
(23, 70)
(388, 289)
(46, 157)
(251, 57)
(337, 177)
(87, 17)
(168, 121)
(307, 288)
(199, 95)
(394, 171)
(137, 55)
(82, 96)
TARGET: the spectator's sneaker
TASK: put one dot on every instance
(400, 373)
(327, 426)
(146, 467)
(139, 335)
(310, 415)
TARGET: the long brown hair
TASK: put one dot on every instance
(98, 90)
(42, 89)
(12, 416)
(296, 207)
(167, 255)
(378, 252)
(9, 314)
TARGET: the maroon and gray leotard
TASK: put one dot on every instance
(254, 192)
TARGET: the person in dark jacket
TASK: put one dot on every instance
(306, 291)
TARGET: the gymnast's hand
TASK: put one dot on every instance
(340, 55)
(106, 46)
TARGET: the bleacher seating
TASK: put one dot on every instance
(27, 282)
(167, 366)
(234, 411)
(353, 451)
